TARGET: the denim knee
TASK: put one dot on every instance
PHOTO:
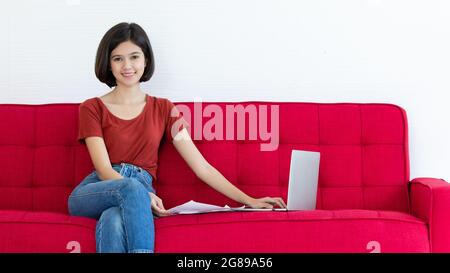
(133, 187)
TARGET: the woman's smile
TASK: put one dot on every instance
(128, 74)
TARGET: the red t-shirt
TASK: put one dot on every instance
(134, 141)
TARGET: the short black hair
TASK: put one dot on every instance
(120, 33)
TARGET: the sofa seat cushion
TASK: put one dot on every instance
(25, 231)
(294, 231)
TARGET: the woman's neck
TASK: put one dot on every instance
(127, 95)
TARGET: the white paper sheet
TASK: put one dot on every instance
(193, 207)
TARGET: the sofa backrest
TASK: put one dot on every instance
(364, 156)
(40, 157)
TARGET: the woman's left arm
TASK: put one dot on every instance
(208, 174)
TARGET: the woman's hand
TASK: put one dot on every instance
(266, 202)
(157, 205)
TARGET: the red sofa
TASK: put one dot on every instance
(365, 203)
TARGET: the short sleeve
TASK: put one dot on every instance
(175, 121)
(89, 122)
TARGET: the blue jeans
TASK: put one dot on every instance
(122, 207)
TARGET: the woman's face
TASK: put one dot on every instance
(127, 63)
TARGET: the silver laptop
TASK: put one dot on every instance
(303, 180)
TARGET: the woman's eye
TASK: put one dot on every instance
(134, 57)
(116, 59)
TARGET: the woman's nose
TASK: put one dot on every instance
(127, 63)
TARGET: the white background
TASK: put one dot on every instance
(395, 51)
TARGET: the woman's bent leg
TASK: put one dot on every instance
(110, 232)
(133, 202)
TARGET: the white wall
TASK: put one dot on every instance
(394, 51)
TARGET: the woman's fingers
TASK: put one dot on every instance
(160, 212)
(160, 204)
(280, 202)
(276, 201)
(159, 207)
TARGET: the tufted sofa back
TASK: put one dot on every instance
(364, 154)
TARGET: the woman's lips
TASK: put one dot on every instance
(127, 75)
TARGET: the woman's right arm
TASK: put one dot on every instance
(100, 158)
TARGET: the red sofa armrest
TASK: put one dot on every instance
(430, 201)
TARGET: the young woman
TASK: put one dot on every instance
(122, 131)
